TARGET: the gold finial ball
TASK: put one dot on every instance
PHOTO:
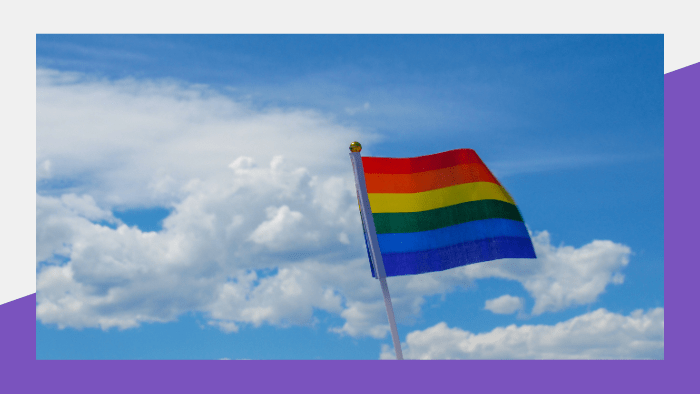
(355, 147)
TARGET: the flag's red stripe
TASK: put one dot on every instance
(385, 165)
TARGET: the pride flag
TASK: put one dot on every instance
(441, 211)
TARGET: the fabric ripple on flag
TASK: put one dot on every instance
(441, 211)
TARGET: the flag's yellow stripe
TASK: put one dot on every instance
(438, 198)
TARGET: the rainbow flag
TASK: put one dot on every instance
(441, 211)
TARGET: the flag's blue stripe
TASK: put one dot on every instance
(412, 263)
(452, 235)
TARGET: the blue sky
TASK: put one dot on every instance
(168, 226)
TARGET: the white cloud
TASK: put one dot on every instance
(132, 143)
(281, 223)
(505, 304)
(85, 206)
(43, 170)
(245, 243)
(596, 335)
(354, 110)
(361, 320)
(561, 276)
(289, 297)
(205, 257)
(343, 238)
(62, 219)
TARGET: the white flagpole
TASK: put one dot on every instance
(366, 213)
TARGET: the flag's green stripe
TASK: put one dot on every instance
(410, 222)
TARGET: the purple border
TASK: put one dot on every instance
(20, 372)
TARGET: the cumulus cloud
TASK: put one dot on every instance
(64, 218)
(504, 305)
(361, 320)
(281, 299)
(264, 225)
(207, 256)
(596, 335)
(281, 223)
(561, 276)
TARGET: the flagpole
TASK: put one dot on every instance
(368, 222)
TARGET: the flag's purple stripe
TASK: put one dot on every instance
(412, 263)
(451, 235)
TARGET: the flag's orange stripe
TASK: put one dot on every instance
(428, 180)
